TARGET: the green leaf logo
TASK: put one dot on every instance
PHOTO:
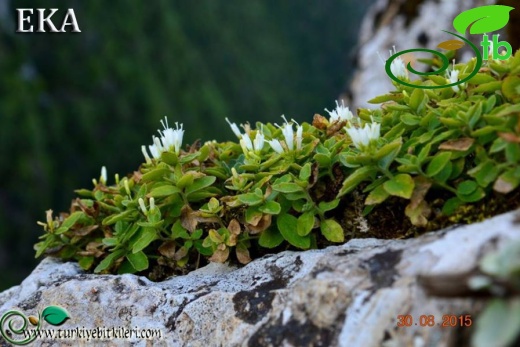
(483, 19)
(55, 315)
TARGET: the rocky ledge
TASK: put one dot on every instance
(349, 295)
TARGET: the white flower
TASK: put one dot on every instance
(235, 128)
(398, 68)
(288, 133)
(103, 178)
(142, 205)
(361, 137)
(145, 153)
(156, 149)
(276, 146)
(453, 77)
(341, 113)
(258, 143)
(245, 141)
(170, 140)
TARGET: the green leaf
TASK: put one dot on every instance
(332, 230)
(482, 19)
(511, 88)
(107, 262)
(250, 199)
(199, 184)
(480, 78)
(110, 241)
(69, 222)
(55, 315)
(128, 214)
(186, 180)
(189, 158)
(270, 238)
(473, 197)
(417, 100)
(86, 262)
(498, 325)
(352, 181)
(287, 225)
(438, 163)
(305, 172)
(467, 187)
(445, 173)
(155, 174)
(401, 185)
(410, 119)
(305, 223)
(178, 232)
(377, 196)
(271, 207)
(147, 236)
(325, 206)
(451, 205)
(513, 153)
(164, 190)
(323, 160)
(485, 173)
(169, 158)
(488, 87)
(287, 187)
(385, 98)
(387, 153)
(138, 260)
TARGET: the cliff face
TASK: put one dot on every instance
(350, 295)
(406, 25)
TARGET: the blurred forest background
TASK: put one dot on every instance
(70, 103)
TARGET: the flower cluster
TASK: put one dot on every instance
(170, 140)
(245, 141)
(258, 143)
(362, 137)
(288, 134)
(341, 113)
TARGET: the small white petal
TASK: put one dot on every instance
(340, 113)
(145, 153)
(152, 203)
(398, 68)
(361, 137)
(299, 133)
(234, 128)
(103, 178)
(247, 142)
(288, 134)
(276, 146)
(142, 205)
(258, 143)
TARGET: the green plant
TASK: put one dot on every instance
(429, 153)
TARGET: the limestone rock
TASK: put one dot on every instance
(348, 295)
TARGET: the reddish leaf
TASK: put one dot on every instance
(462, 144)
